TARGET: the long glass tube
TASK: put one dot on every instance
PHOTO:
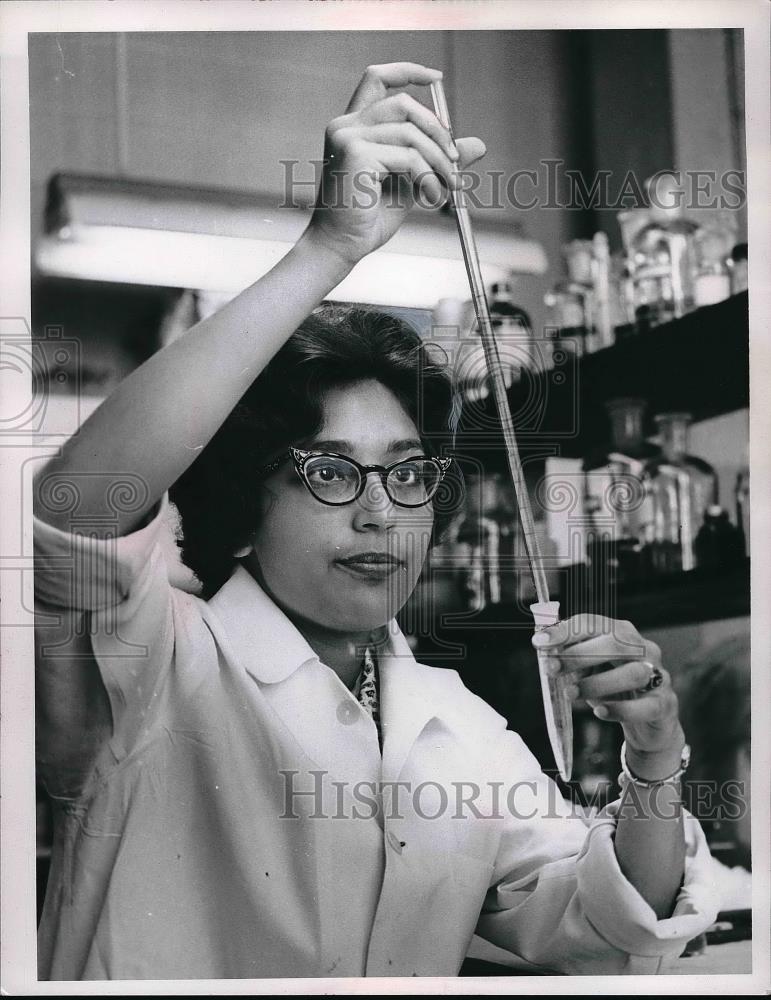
(493, 361)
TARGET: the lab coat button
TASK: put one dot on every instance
(347, 713)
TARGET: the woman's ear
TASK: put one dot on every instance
(243, 551)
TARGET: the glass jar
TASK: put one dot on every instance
(682, 488)
(513, 336)
(479, 543)
(579, 257)
(570, 301)
(719, 543)
(617, 493)
(662, 254)
(662, 272)
(711, 280)
(567, 315)
(513, 332)
(630, 222)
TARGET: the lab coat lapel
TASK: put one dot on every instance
(313, 704)
(426, 883)
(326, 721)
(405, 704)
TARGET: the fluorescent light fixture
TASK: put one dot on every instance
(102, 229)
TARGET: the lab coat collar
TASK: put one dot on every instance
(265, 642)
(269, 646)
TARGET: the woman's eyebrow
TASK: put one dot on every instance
(405, 444)
(346, 447)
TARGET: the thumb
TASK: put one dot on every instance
(470, 149)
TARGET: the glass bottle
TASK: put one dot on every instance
(479, 544)
(682, 487)
(439, 587)
(459, 326)
(621, 297)
(513, 331)
(494, 557)
(617, 489)
(602, 333)
(513, 335)
(719, 543)
(629, 456)
(567, 316)
(579, 258)
(469, 546)
(663, 258)
(504, 515)
(570, 301)
(737, 265)
(627, 429)
(630, 222)
(712, 281)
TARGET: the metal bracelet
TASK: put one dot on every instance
(672, 779)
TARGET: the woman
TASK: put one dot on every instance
(266, 783)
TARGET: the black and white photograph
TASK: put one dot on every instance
(384, 602)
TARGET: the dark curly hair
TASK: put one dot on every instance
(218, 496)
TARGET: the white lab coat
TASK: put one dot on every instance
(183, 853)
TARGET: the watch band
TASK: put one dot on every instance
(672, 779)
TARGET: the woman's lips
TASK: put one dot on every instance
(370, 565)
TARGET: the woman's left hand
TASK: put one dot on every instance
(610, 665)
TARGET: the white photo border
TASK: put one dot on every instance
(17, 818)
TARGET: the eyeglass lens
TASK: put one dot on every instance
(336, 480)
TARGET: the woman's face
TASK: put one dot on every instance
(304, 552)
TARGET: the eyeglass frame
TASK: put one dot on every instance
(301, 456)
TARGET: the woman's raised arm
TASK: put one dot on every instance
(157, 421)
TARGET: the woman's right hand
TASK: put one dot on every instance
(385, 150)
(148, 430)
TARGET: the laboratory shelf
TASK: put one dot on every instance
(679, 599)
(698, 364)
